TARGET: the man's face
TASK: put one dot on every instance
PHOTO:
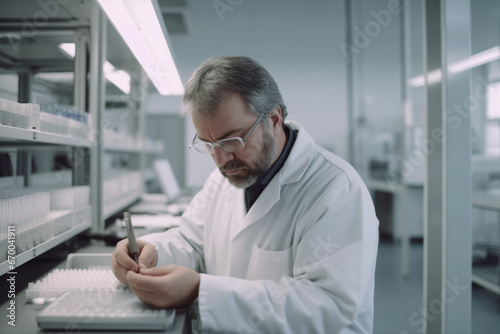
(234, 119)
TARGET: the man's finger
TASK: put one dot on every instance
(122, 278)
(124, 260)
(149, 298)
(159, 271)
(146, 283)
(147, 256)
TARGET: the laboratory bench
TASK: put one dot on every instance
(487, 275)
(37, 269)
(402, 204)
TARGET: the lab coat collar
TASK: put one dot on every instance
(300, 157)
(295, 166)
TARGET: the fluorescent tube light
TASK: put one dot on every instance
(139, 24)
(66, 77)
(119, 78)
(418, 81)
(432, 77)
(68, 48)
(478, 59)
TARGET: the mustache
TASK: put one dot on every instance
(232, 165)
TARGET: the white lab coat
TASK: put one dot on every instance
(302, 260)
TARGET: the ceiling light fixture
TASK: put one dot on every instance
(140, 24)
(119, 78)
(478, 59)
(475, 60)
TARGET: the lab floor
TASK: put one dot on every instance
(398, 301)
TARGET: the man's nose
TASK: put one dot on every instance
(221, 157)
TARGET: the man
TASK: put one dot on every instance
(283, 236)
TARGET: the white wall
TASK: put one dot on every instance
(296, 41)
(9, 86)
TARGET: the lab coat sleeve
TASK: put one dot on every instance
(332, 281)
(184, 245)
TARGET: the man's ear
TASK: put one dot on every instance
(277, 120)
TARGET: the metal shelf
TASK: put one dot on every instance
(11, 181)
(112, 206)
(9, 134)
(121, 149)
(127, 149)
(384, 186)
(45, 246)
(486, 283)
(487, 200)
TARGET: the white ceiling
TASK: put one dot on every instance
(278, 33)
(275, 32)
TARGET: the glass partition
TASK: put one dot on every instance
(484, 67)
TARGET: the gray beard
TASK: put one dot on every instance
(269, 152)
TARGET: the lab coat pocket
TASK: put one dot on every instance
(271, 265)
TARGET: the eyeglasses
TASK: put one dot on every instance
(228, 145)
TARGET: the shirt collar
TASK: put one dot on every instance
(253, 191)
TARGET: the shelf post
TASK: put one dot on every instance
(24, 163)
(141, 121)
(80, 155)
(447, 191)
(96, 107)
(24, 86)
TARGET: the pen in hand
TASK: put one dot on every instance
(132, 243)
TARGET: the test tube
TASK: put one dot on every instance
(24, 213)
(16, 115)
(17, 212)
(31, 204)
(35, 116)
(43, 122)
(9, 211)
(25, 115)
(3, 231)
(6, 109)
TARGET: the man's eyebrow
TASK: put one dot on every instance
(230, 133)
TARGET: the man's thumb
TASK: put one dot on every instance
(142, 264)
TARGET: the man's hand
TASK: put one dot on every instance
(165, 287)
(123, 263)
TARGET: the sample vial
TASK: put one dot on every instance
(6, 110)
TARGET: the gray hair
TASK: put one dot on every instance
(219, 77)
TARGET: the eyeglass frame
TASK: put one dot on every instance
(217, 143)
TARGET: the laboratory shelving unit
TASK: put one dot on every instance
(82, 23)
(14, 136)
(129, 184)
(25, 142)
(29, 139)
(113, 191)
(45, 246)
(138, 155)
